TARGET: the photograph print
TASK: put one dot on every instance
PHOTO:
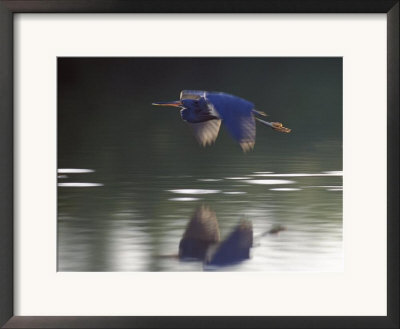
(199, 164)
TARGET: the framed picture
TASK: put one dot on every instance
(199, 164)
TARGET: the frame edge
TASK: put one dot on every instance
(6, 206)
(393, 164)
(6, 164)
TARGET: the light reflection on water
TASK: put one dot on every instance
(184, 199)
(269, 181)
(126, 226)
(194, 191)
(285, 189)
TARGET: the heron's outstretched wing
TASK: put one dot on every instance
(206, 132)
(237, 115)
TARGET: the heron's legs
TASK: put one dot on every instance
(275, 125)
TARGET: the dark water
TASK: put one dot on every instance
(148, 175)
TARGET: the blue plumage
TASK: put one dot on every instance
(205, 110)
(237, 115)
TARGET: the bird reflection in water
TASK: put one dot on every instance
(201, 240)
(235, 248)
(201, 233)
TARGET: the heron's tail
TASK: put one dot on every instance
(275, 125)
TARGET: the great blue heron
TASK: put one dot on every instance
(204, 111)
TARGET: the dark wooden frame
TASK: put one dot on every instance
(9, 7)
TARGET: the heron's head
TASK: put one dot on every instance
(191, 103)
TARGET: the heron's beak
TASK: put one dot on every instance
(174, 103)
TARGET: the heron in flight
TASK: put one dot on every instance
(204, 111)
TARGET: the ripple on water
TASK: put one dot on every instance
(194, 191)
(324, 186)
(269, 181)
(184, 199)
(285, 189)
(209, 179)
(79, 184)
(73, 171)
(325, 173)
(235, 192)
(334, 173)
